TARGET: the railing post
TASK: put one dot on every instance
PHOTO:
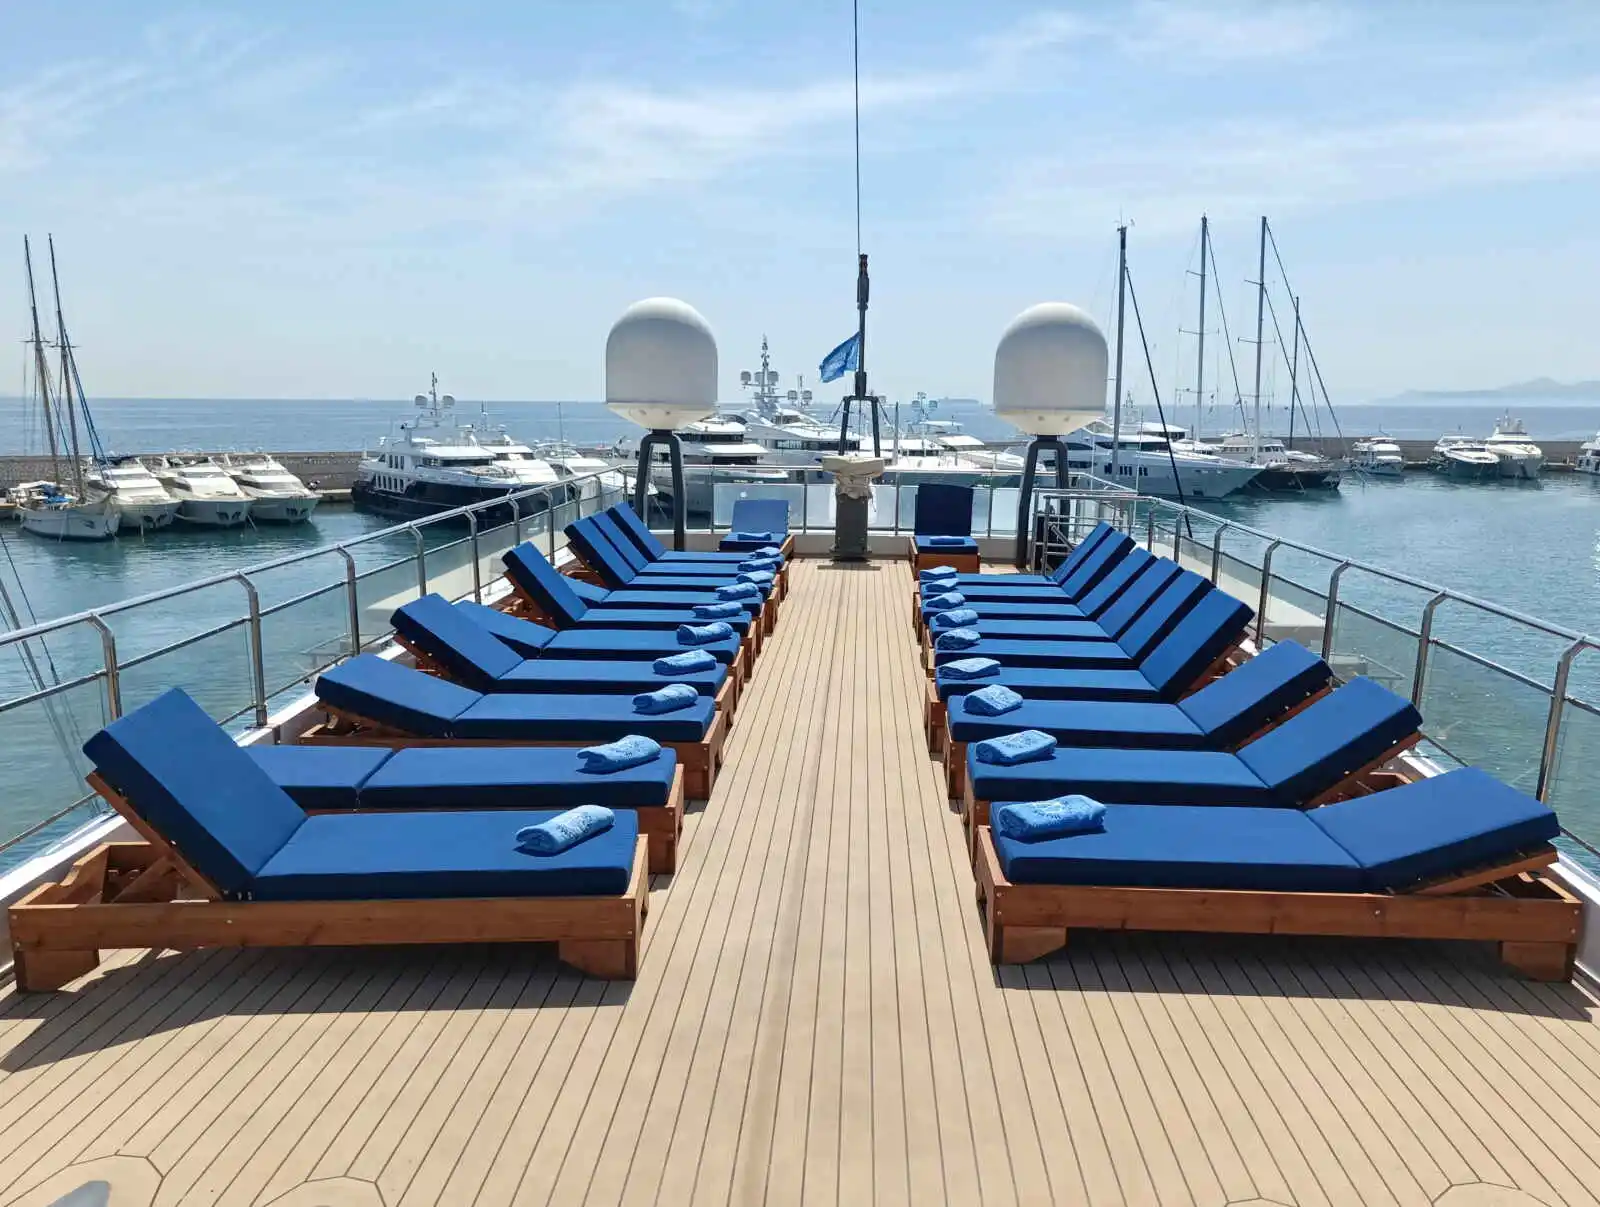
(805, 503)
(897, 503)
(1550, 752)
(1216, 552)
(550, 522)
(1266, 592)
(1424, 638)
(1332, 611)
(351, 598)
(258, 665)
(1177, 538)
(477, 569)
(108, 655)
(1150, 529)
(988, 525)
(422, 560)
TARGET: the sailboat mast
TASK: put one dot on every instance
(1261, 315)
(1294, 372)
(1200, 332)
(1116, 389)
(66, 372)
(41, 367)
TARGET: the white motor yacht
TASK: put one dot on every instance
(1519, 457)
(599, 479)
(1145, 460)
(1281, 468)
(275, 494)
(1380, 457)
(207, 495)
(1464, 459)
(141, 501)
(1589, 456)
(47, 509)
(716, 452)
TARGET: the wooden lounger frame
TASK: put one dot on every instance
(965, 563)
(975, 813)
(700, 761)
(145, 894)
(1533, 918)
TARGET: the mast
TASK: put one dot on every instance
(41, 368)
(1116, 389)
(1294, 371)
(1261, 314)
(1200, 332)
(66, 373)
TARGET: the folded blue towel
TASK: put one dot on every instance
(759, 577)
(992, 701)
(958, 639)
(704, 634)
(970, 668)
(739, 591)
(631, 751)
(944, 601)
(1025, 746)
(760, 563)
(670, 698)
(565, 830)
(755, 536)
(719, 611)
(937, 573)
(686, 663)
(770, 551)
(939, 586)
(948, 542)
(954, 619)
(1037, 820)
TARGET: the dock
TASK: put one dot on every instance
(815, 1021)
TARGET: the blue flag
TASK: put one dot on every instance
(843, 359)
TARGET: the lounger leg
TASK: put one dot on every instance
(663, 852)
(1540, 961)
(1020, 944)
(606, 959)
(40, 971)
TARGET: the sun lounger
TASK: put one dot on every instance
(1136, 567)
(1056, 576)
(374, 702)
(1456, 856)
(941, 528)
(1229, 710)
(524, 561)
(1076, 575)
(762, 522)
(229, 860)
(648, 544)
(610, 556)
(332, 779)
(1319, 754)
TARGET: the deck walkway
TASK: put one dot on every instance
(815, 1022)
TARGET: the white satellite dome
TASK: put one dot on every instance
(661, 364)
(1050, 370)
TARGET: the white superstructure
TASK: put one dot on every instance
(207, 494)
(1589, 456)
(1380, 457)
(1464, 458)
(1519, 457)
(275, 494)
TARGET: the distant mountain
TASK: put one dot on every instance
(1542, 388)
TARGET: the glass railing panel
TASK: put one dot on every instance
(1364, 644)
(1484, 716)
(43, 749)
(1573, 792)
(726, 491)
(381, 590)
(213, 667)
(304, 636)
(449, 568)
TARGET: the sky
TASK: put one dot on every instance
(332, 200)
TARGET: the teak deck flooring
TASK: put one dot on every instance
(815, 1021)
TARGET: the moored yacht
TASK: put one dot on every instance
(1280, 468)
(1380, 457)
(275, 494)
(1464, 459)
(1519, 457)
(716, 452)
(141, 502)
(1589, 456)
(599, 479)
(1154, 462)
(207, 494)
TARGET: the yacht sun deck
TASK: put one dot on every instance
(815, 1020)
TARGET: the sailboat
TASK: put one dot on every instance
(66, 507)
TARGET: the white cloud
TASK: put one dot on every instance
(1180, 33)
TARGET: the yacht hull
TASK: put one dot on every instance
(1292, 479)
(1519, 467)
(1467, 471)
(91, 523)
(147, 517)
(294, 509)
(214, 513)
(418, 506)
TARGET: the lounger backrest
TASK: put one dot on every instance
(1158, 575)
(549, 589)
(1339, 734)
(1456, 822)
(761, 515)
(942, 509)
(1081, 550)
(1161, 615)
(1195, 642)
(1235, 705)
(455, 641)
(1096, 565)
(597, 553)
(1095, 601)
(522, 637)
(193, 786)
(608, 528)
(628, 520)
(398, 696)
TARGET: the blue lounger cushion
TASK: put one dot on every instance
(671, 698)
(1038, 820)
(1067, 655)
(569, 676)
(656, 618)
(992, 701)
(1049, 683)
(967, 670)
(687, 662)
(321, 777)
(1065, 629)
(541, 718)
(642, 597)
(466, 650)
(942, 509)
(396, 696)
(766, 537)
(630, 750)
(1233, 706)
(524, 638)
(947, 544)
(1448, 823)
(956, 618)
(358, 857)
(1023, 747)
(1198, 847)
(631, 645)
(1142, 777)
(646, 542)
(1082, 723)
(566, 830)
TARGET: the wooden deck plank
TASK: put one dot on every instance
(815, 1020)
